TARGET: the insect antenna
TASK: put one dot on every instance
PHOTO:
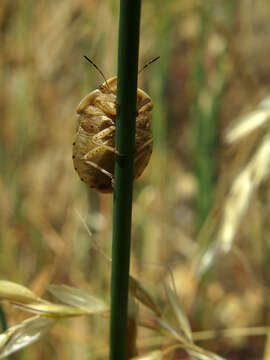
(147, 64)
(97, 68)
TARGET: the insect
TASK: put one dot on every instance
(94, 146)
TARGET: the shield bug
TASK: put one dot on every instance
(94, 146)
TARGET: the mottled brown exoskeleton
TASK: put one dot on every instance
(94, 147)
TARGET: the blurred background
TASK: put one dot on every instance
(214, 66)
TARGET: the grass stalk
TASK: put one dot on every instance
(205, 110)
(3, 319)
(204, 124)
(128, 49)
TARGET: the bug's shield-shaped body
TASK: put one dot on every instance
(94, 146)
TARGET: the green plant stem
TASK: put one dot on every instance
(128, 49)
(204, 118)
(3, 319)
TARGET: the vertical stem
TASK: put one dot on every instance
(125, 137)
(3, 319)
(204, 125)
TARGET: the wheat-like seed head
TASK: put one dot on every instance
(253, 168)
(249, 122)
(242, 188)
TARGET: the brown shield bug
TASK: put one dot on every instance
(94, 145)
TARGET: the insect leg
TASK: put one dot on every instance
(92, 153)
(140, 152)
(105, 172)
(144, 102)
(102, 134)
